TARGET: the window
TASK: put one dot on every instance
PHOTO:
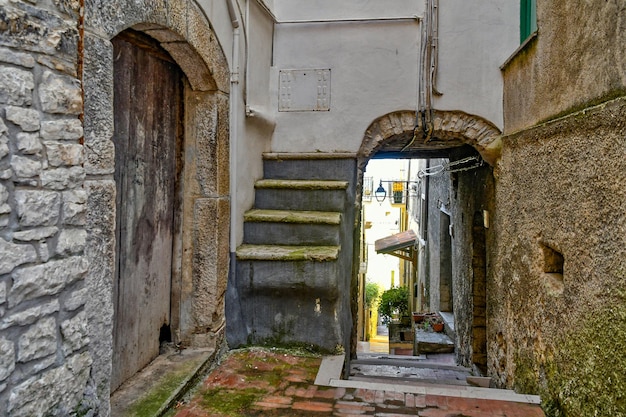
(528, 18)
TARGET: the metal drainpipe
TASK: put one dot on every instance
(234, 120)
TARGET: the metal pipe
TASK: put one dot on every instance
(351, 20)
(235, 109)
(234, 20)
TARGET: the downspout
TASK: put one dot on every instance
(234, 128)
(234, 334)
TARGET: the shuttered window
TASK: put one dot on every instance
(528, 18)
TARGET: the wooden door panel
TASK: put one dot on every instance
(147, 113)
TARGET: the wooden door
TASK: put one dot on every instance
(148, 110)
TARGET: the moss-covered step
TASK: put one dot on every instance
(293, 216)
(301, 184)
(287, 253)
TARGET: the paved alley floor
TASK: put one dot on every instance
(271, 382)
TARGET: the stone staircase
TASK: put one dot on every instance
(294, 267)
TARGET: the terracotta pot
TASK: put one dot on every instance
(438, 327)
(418, 317)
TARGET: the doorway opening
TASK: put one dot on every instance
(418, 233)
(148, 111)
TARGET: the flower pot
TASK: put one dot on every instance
(438, 327)
(418, 317)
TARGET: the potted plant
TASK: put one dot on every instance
(394, 302)
(436, 323)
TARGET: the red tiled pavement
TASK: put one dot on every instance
(259, 382)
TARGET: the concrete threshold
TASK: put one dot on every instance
(157, 388)
(332, 366)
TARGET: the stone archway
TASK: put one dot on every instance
(201, 245)
(397, 135)
(449, 129)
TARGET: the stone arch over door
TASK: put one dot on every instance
(201, 245)
(399, 135)
(449, 129)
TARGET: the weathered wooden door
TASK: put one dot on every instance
(148, 110)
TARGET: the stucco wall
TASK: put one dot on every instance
(579, 56)
(374, 65)
(475, 38)
(561, 185)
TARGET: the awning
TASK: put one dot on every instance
(401, 245)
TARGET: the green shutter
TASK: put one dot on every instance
(528, 18)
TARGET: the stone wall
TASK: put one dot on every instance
(44, 360)
(57, 195)
(560, 331)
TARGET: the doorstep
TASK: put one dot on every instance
(160, 385)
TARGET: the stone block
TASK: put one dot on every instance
(74, 203)
(39, 341)
(25, 167)
(46, 279)
(202, 38)
(62, 178)
(55, 392)
(192, 65)
(60, 94)
(3, 292)
(30, 315)
(65, 129)
(14, 255)
(98, 83)
(71, 242)
(76, 299)
(16, 58)
(7, 358)
(201, 155)
(4, 197)
(4, 146)
(37, 208)
(113, 16)
(64, 154)
(74, 333)
(35, 235)
(29, 143)
(17, 86)
(27, 119)
(100, 252)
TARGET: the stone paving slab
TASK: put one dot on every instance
(270, 382)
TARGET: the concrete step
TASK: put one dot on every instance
(312, 166)
(293, 216)
(267, 233)
(290, 227)
(301, 195)
(287, 253)
(432, 342)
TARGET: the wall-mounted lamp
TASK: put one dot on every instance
(399, 188)
(380, 193)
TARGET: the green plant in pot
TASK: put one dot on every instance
(394, 302)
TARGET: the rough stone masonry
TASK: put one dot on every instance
(44, 360)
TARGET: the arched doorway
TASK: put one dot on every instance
(199, 246)
(452, 248)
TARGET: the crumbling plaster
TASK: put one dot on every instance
(561, 184)
(577, 59)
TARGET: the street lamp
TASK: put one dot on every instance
(380, 193)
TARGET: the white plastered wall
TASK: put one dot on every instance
(374, 65)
